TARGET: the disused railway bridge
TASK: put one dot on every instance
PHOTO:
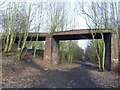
(51, 51)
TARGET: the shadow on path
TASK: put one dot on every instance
(75, 78)
(89, 66)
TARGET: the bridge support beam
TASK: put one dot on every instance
(111, 55)
(51, 51)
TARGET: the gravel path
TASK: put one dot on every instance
(29, 75)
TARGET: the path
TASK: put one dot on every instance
(29, 75)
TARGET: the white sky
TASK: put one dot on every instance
(60, 0)
(82, 25)
(80, 20)
(83, 43)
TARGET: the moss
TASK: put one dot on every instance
(18, 54)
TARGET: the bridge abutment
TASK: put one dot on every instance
(111, 54)
(55, 52)
(107, 38)
(47, 50)
(51, 51)
(114, 52)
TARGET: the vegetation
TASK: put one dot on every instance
(101, 17)
(20, 18)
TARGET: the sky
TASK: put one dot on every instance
(82, 43)
(82, 25)
(61, 0)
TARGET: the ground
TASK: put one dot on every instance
(37, 73)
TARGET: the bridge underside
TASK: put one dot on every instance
(51, 51)
(68, 37)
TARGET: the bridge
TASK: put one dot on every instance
(51, 51)
(69, 35)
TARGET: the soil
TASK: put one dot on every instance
(38, 73)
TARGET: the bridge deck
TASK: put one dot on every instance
(70, 32)
(70, 35)
(82, 31)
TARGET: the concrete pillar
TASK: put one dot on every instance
(107, 38)
(114, 52)
(51, 51)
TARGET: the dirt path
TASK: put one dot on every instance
(30, 75)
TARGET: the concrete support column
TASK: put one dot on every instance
(107, 38)
(51, 51)
(114, 52)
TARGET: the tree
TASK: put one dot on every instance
(90, 51)
(78, 53)
(99, 15)
(17, 23)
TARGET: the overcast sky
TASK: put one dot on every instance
(81, 21)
